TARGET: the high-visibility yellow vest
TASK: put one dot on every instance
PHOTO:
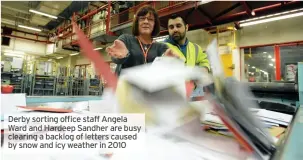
(194, 55)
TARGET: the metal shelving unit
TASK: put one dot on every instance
(76, 87)
(62, 86)
(62, 82)
(15, 79)
(93, 87)
(27, 84)
(43, 85)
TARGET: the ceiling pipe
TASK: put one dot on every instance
(30, 39)
(35, 34)
(248, 9)
(255, 10)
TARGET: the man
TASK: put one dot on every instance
(180, 45)
(190, 52)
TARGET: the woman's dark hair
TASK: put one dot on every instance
(142, 12)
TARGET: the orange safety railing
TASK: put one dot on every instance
(166, 4)
(127, 16)
(96, 23)
(86, 24)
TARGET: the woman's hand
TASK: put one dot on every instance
(117, 50)
(170, 53)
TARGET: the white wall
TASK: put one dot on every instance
(199, 36)
(80, 59)
(281, 31)
(27, 46)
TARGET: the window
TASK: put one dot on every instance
(259, 64)
(290, 56)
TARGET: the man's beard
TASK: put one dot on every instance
(180, 37)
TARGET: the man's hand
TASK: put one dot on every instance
(117, 50)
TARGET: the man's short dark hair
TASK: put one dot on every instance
(142, 12)
(174, 16)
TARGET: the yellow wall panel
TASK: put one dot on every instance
(227, 61)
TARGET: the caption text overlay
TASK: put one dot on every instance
(65, 133)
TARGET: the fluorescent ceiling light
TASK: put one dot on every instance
(273, 60)
(31, 28)
(49, 60)
(73, 54)
(44, 14)
(269, 56)
(264, 52)
(12, 54)
(205, 1)
(271, 19)
(271, 64)
(59, 57)
(253, 67)
(272, 15)
(160, 39)
(98, 48)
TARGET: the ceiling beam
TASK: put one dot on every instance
(50, 7)
(11, 15)
(177, 8)
(16, 10)
(227, 10)
(247, 8)
(188, 14)
(209, 19)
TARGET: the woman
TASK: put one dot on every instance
(139, 48)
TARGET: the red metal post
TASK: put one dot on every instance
(108, 18)
(278, 63)
(88, 27)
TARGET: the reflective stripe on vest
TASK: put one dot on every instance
(189, 48)
(196, 51)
